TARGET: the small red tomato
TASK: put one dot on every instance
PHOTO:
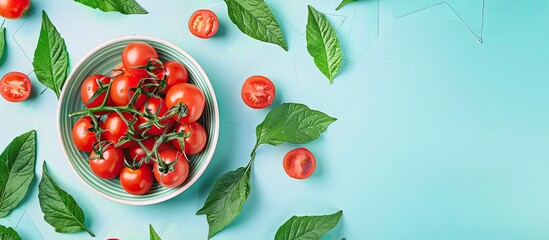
(15, 86)
(175, 73)
(189, 95)
(299, 163)
(121, 91)
(203, 24)
(14, 9)
(138, 181)
(258, 92)
(138, 54)
(109, 165)
(115, 128)
(83, 138)
(90, 87)
(137, 152)
(177, 174)
(196, 142)
(158, 108)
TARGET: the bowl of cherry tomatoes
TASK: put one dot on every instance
(138, 120)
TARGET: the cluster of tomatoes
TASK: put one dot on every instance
(141, 122)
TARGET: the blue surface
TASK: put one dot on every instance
(442, 131)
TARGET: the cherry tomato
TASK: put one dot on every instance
(175, 72)
(14, 9)
(121, 92)
(299, 163)
(258, 92)
(138, 181)
(177, 174)
(15, 86)
(137, 152)
(89, 88)
(196, 142)
(115, 128)
(83, 138)
(157, 107)
(118, 70)
(203, 24)
(191, 96)
(138, 54)
(109, 165)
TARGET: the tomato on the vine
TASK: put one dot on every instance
(175, 73)
(177, 174)
(189, 95)
(109, 165)
(137, 181)
(138, 54)
(203, 23)
(121, 91)
(15, 86)
(82, 136)
(258, 92)
(157, 107)
(115, 128)
(196, 142)
(299, 163)
(90, 87)
(14, 9)
(137, 152)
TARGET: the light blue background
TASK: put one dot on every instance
(442, 131)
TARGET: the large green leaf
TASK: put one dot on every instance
(8, 233)
(121, 6)
(2, 41)
(51, 59)
(294, 123)
(254, 18)
(226, 199)
(323, 45)
(60, 209)
(153, 234)
(16, 171)
(307, 227)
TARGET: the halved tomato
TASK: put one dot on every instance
(15, 87)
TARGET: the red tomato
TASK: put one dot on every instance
(89, 88)
(177, 174)
(121, 92)
(83, 138)
(299, 163)
(258, 92)
(137, 152)
(15, 86)
(196, 142)
(157, 107)
(115, 128)
(109, 165)
(203, 24)
(191, 96)
(138, 54)
(14, 9)
(138, 181)
(119, 70)
(175, 72)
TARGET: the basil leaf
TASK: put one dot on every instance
(292, 122)
(122, 6)
(226, 199)
(51, 59)
(154, 235)
(254, 18)
(343, 3)
(8, 233)
(16, 171)
(323, 45)
(307, 227)
(2, 41)
(60, 209)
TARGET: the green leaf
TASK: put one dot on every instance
(226, 199)
(2, 41)
(154, 235)
(323, 45)
(343, 3)
(294, 123)
(16, 171)
(51, 59)
(254, 18)
(307, 227)
(7, 233)
(60, 209)
(122, 6)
